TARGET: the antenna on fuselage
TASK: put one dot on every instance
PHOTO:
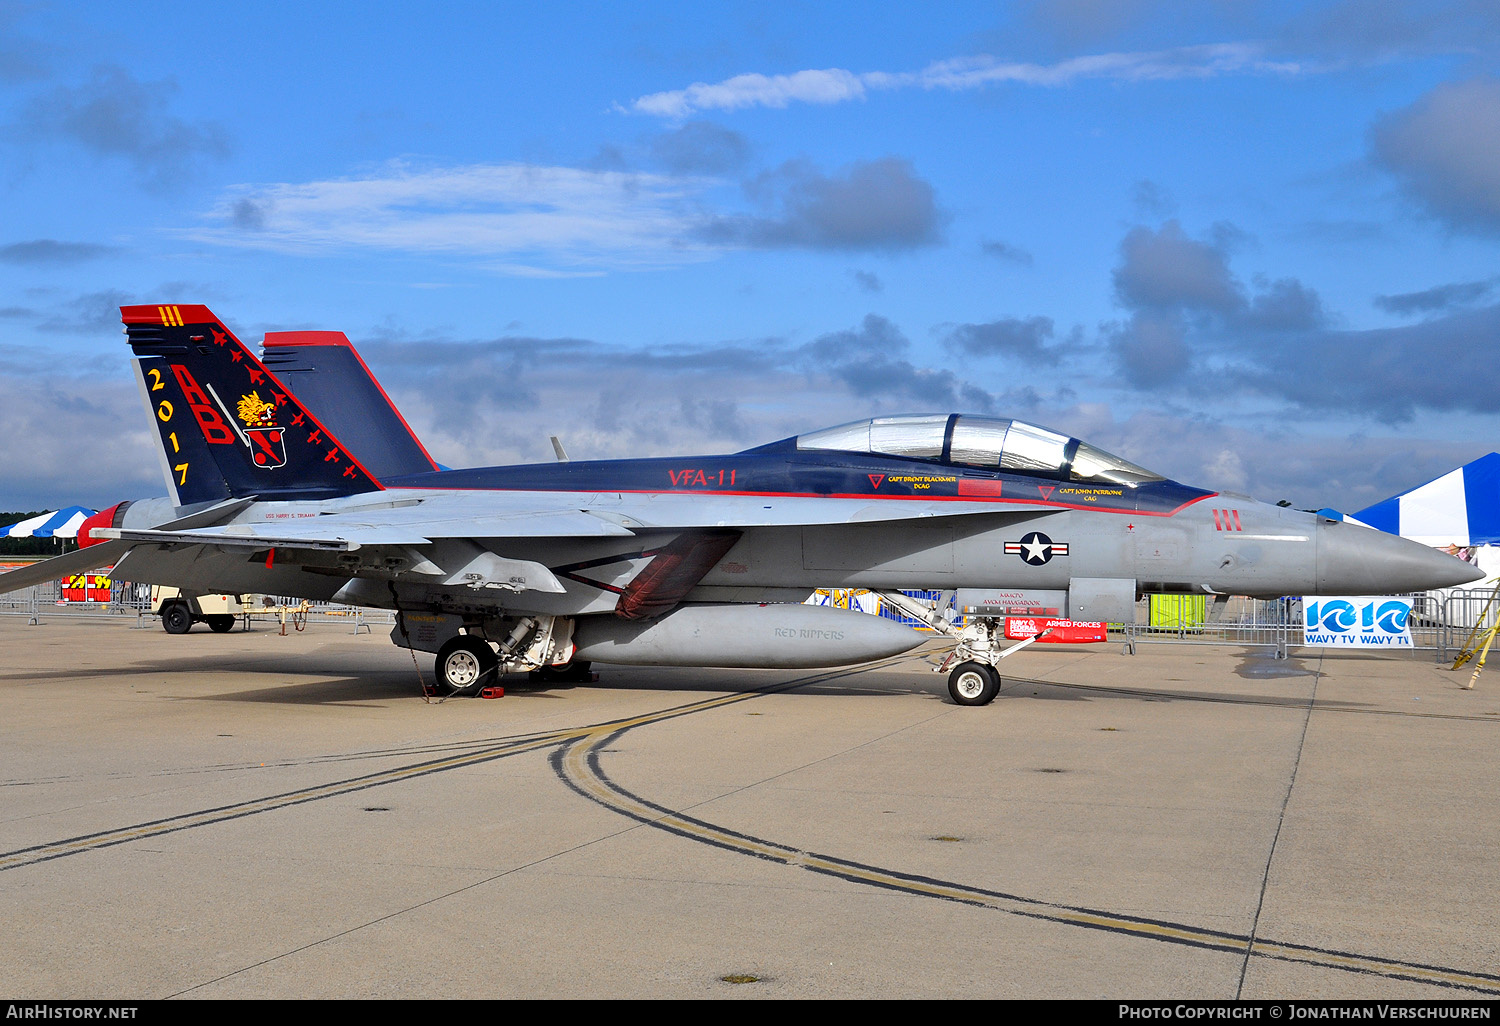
(562, 455)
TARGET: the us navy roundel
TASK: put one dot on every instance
(1036, 548)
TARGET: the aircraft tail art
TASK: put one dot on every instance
(229, 428)
(327, 374)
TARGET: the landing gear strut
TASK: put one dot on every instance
(474, 661)
(977, 649)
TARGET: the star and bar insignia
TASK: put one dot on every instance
(1036, 548)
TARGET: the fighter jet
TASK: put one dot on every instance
(687, 561)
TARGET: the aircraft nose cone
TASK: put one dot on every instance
(1355, 560)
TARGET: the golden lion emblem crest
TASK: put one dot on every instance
(256, 412)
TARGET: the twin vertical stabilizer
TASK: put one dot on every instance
(228, 427)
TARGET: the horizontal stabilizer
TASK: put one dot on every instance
(109, 552)
(58, 567)
(222, 540)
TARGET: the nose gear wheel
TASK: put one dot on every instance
(973, 683)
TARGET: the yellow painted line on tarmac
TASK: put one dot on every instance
(1380, 967)
(271, 803)
(580, 770)
(72, 846)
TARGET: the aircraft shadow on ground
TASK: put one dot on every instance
(393, 685)
(378, 686)
(191, 665)
(1069, 691)
(385, 686)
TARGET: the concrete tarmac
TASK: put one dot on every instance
(249, 815)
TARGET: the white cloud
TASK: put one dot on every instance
(531, 220)
(836, 85)
(831, 85)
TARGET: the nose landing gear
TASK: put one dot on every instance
(977, 648)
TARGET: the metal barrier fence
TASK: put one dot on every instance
(1439, 623)
(42, 602)
(1241, 621)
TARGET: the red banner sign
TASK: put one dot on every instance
(1056, 632)
(86, 588)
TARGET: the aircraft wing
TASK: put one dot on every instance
(420, 519)
(350, 531)
(493, 514)
(686, 510)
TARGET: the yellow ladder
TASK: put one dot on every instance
(1480, 638)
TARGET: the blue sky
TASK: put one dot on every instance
(1249, 245)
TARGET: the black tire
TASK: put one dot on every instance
(176, 618)
(973, 684)
(466, 662)
(220, 623)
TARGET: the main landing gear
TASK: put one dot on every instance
(543, 645)
(466, 662)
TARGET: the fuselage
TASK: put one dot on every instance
(939, 500)
(979, 528)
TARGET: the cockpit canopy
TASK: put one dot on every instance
(988, 442)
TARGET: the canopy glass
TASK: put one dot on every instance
(989, 442)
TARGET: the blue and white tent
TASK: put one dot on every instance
(62, 524)
(1460, 508)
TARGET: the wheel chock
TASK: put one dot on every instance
(430, 690)
(492, 692)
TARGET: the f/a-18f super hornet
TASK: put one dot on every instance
(293, 474)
